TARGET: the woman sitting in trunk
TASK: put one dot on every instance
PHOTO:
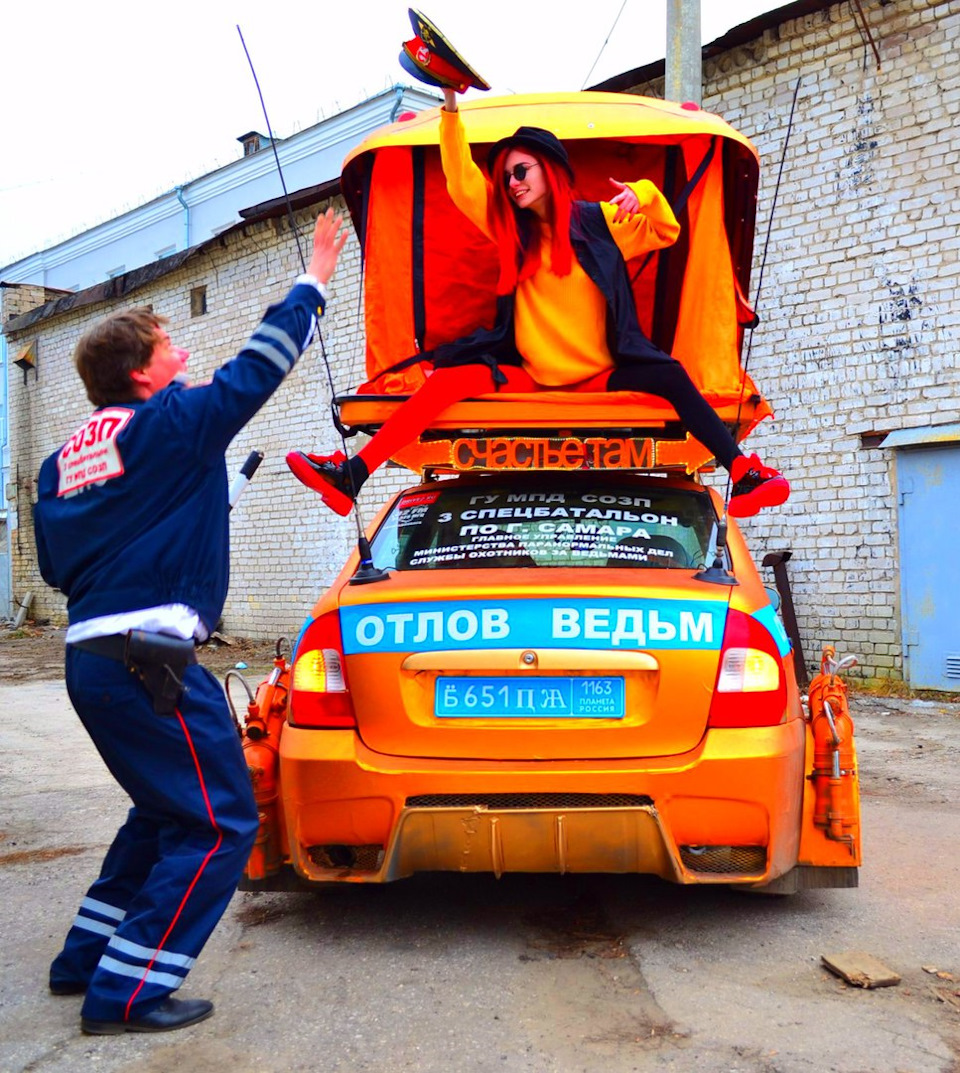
(563, 281)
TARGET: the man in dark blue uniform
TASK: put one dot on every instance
(132, 526)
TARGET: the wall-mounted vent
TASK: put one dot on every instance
(951, 665)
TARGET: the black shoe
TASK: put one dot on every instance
(67, 987)
(170, 1014)
(326, 475)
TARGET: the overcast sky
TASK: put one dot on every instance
(109, 104)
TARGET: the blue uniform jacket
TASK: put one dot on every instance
(132, 511)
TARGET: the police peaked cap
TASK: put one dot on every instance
(431, 58)
(541, 142)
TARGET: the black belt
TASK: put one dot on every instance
(114, 646)
(159, 661)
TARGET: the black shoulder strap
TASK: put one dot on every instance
(695, 178)
(684, 196)
(419, 207)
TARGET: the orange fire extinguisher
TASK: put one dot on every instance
(265, 719)
(834, 766)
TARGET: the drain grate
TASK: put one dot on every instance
(725, 860)
(522, 801)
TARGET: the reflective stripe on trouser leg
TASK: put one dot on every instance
(187, 774)
(125, 868)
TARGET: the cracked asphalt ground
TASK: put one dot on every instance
(531, 974)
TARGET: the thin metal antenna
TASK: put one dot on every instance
(366, 571)
(604, 45)
(276, 155)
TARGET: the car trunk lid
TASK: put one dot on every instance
(557, 668)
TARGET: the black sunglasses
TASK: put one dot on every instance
(518, 172)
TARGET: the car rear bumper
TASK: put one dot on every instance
(729, 811)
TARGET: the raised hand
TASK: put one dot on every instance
(328, 241)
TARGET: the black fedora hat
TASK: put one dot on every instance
(537, 140)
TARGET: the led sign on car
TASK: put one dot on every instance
(500, 453)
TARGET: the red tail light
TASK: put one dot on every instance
(319, 697)
(751, 690)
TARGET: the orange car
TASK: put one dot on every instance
(543, 673)
(561, 657)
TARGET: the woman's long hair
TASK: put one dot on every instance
(517, 230)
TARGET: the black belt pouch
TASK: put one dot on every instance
(160, 662)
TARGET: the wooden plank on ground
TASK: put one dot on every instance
(860, 969)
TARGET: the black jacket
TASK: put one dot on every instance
(601, 259)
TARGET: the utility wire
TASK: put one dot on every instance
(763, 259)
(296, 233)
(604, 45)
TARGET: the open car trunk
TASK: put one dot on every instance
(429, 274)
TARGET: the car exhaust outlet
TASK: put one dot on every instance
(834, 765)
(724, 860)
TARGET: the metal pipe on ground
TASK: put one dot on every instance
(23, 608)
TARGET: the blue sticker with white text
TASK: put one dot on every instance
(573, 623)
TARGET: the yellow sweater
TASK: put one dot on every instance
(560, 321)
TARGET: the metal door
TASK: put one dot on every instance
(928, 482)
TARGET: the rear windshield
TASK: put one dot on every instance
(499, 525)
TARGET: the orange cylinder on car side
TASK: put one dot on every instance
(834, 769)
(261, 744)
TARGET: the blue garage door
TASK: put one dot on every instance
(928, 481)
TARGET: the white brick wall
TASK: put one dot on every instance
(859, 315)
(859, 330)
(286, 547)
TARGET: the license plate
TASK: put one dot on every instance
(530, 698)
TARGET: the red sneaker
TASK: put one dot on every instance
(324, 474)
(755, 486)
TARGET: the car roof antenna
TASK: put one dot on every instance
(716, 573)
(756, 300)
(366, 571)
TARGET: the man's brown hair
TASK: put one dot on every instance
(114, 348)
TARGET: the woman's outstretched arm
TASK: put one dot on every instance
(640, 218)
(466, 183)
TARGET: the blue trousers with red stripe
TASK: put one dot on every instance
(175, 863)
